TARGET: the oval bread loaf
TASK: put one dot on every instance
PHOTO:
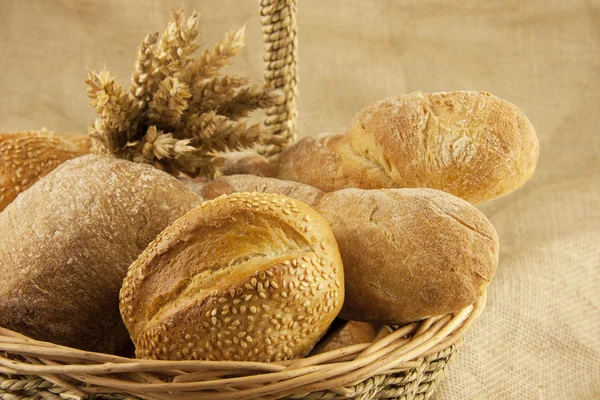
(245, 277)
(473, 145)
(28, 156)
(408, 253)
(68, 240)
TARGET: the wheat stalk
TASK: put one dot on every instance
(180, 113)
(210, 62)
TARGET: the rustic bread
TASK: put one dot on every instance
(68, 240)
(348, 334)
(250, 276)
(28, 156)
(326, 161)
(473, 145)
(408, 253)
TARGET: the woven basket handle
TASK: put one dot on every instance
(278, 20)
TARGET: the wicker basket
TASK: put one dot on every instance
(406, 364)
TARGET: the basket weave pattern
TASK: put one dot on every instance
(406, 364)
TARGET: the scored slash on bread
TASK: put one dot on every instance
(408, 254)
(471, 144)
(254, 277)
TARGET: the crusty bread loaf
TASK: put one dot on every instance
(473, 145)
(27, 156)
(250, 276)
(326, 161)
(409, 253)
(348, 334)
(68, 240)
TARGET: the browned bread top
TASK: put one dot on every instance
(430, 251)
(327, 162)
(471, 144)
(247, 162)
(248, 276)
(409, 253)
(68, 240)
(348, 334)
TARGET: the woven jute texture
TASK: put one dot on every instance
(538, 337)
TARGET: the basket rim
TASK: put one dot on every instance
(336, 370)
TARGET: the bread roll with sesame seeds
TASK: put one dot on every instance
(27, 156)
(67, 241)
(408, 254)
(245, 277)
(471, 144)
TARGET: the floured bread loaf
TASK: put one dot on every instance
(67, 241)
(471, 144)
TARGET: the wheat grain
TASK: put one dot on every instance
(180, 113)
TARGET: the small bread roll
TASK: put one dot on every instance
(471, 144)
(351, 332)
(245, 277)
(28, 156)
(66, 244)
(409, 254)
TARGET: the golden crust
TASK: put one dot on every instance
(253, 277)
(327, 162)
(27, 156)
(247, 162)
(470, 144)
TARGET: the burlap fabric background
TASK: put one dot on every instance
(539, 337)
